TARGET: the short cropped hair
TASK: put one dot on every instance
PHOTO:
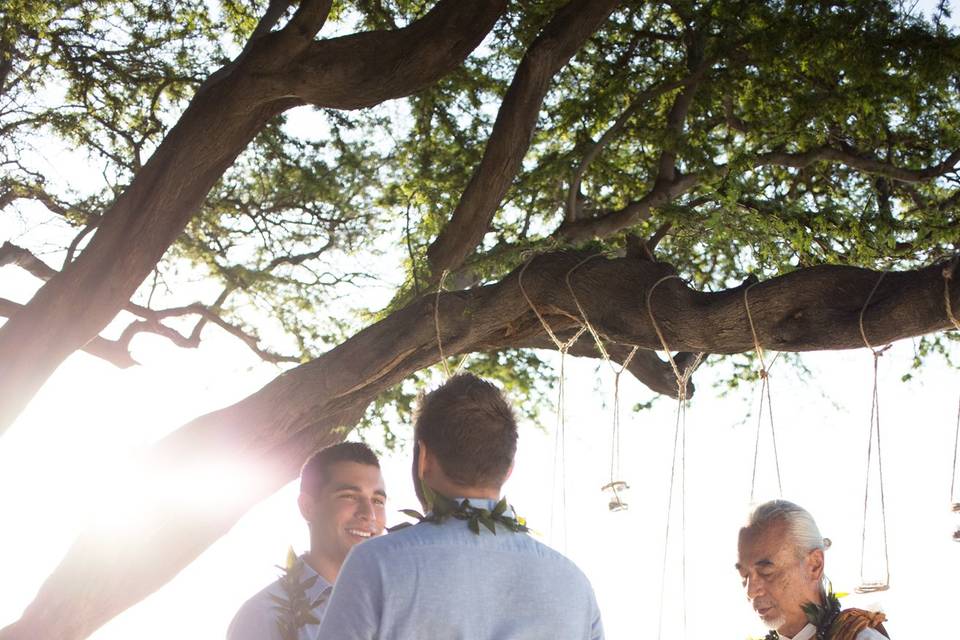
(801, 527)
(314, 473)
(470, 428)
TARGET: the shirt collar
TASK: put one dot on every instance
(308, 572)
(485, 503)
(805, 634)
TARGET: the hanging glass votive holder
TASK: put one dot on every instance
(616, 491)
(956, 519)
(872, 587)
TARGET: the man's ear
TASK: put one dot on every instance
(423, 463)
(305, 502)
(815, 562)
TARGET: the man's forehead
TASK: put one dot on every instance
(760, 545)
(347, 473)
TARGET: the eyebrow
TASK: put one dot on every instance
(352, 487)
(763, 562)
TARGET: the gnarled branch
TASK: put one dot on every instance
(863, 163)
(364, 69)
(512, 131)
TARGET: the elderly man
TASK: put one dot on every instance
(781, 564)
(468, 569)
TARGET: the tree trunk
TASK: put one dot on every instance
(276, 428)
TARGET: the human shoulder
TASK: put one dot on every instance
(859, 624)
(256, 617)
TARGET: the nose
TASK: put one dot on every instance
(364, 509)
(753, 586)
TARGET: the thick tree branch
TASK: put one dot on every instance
(513, 128)
(364, 69)
(116, 352)
(646, 366)
(668, 184)
(865, 164)
(12, 254)
(818, 308)
(612, 222)
(111, 351)
(609, 135)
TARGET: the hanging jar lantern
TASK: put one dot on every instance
(616, 491)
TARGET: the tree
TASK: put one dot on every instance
(550, 160)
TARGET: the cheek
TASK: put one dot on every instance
(342, 512)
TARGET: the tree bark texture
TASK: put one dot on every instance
(281, 70)
(106, 571)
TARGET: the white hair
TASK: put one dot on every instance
(801, 526)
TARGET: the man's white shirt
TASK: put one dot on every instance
(810, 631)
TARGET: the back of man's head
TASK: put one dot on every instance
(315, 471)
(800, 526)
(470, 429)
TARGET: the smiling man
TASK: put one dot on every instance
(781, 564)
(342, 499)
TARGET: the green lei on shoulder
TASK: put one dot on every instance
(820, 616)
(294, 610)
(442, 508)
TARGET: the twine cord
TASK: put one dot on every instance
(948, 272)
(874, 425)
(436, 326)
(615, 435)
(679, 427)
(765, 395)
(560, 444)
(956, 447)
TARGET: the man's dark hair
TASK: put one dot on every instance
(468, 425)
(313, 474)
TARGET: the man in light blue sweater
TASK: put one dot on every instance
(468, 570)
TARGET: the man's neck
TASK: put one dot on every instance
(794, 627)
(452, 490)
(327, 567)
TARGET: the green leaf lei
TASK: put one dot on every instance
(441, 508)
(820, 616)
(294, 609)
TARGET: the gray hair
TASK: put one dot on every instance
(801, 526)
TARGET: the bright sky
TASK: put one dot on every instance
(68, 450)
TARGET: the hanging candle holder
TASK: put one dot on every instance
(875, 575)
(615, 491)
(872, 587)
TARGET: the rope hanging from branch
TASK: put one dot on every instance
(948, 272)
(765, 396)
(560, 444)
(436, 326)
(870, 586)
(679, 443)
(617, 486)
